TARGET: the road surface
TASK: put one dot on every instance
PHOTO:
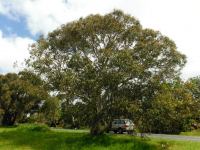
(175, 137)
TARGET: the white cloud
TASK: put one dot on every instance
(178, 19)
(45, 15)
(13, 49)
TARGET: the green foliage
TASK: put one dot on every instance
(51, 110)
(19, 96)
(105, 63)
(172, 110)
(72, 116)
(194, 87)
(33, 127)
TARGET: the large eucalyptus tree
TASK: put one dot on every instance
(105, 62)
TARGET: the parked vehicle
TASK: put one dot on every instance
(122, 125)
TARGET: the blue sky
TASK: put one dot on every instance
(22, 21)
(11, 27)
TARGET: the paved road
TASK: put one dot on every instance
(170, 137)
(175, 137)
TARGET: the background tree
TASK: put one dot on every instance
(193, 85)
(172, 110)
(51, 110)
(105, 62)
(74, 115)
(19, 96)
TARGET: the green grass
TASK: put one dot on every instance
(34, 137)
(192, 133)
(184, 145)
(177, 145)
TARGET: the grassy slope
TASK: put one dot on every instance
(33, 138)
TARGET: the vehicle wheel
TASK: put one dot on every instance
(120, 131)
(115, 131)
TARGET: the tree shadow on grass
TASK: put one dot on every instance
(52, 140)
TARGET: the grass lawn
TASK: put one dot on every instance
(191, 133)
(32, 137)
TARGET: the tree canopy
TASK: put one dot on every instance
(20, 94)
(105, 63)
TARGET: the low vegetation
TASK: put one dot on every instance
(34, 137)
(38, 137)
(191, 133)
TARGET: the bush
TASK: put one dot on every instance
(34, 127)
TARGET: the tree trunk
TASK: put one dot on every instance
(98, 128)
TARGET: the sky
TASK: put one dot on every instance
(22, 21)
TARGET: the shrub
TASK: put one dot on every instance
(34, 127)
